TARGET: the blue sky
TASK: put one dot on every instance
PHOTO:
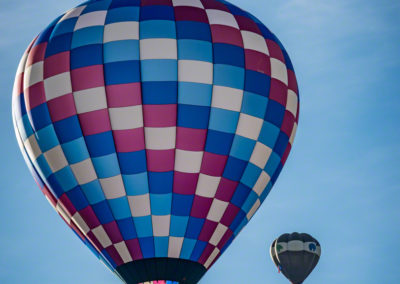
(341, 181)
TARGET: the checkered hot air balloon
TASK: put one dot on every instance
(156, 128)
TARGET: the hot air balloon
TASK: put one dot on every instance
(295, 255)
(156, 128)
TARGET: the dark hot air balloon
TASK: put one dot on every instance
(156, 128)
(295, 255)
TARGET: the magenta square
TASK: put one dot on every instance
(292, 82)
(229, 215)
(286, 154)
(185, 13)
(278, 92)
(257, 61)
(160, 160)
(129, 140)
(216, 5)
(287, 124)
(206, 253)
(226, 34)
(113, 233)
(89, 217)
(225, 238)
(19, 84)
(92, 238)
(274, 50)
(225, 189)
(35, 95)
(113, 253)
(61, 107)
(247, 24)
(156, 2)
(87, 77)
(207, 230)
(95, 122)
(67, 205)
(124, 95)
(36, 54)
(200, 207)
(134, 249)
(48, 194)
(185, 183)
(56, 64)
(213, 164)
(159, 115)
(190, 139)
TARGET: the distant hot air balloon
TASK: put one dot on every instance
(156, 128)
(295, 255)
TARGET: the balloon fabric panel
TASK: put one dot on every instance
(156, 128)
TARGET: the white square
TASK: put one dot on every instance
(90, 100)
(279, 71)
(160, 138)
(261, 183)
(188, 161)
(84, 171)
(91, 19)
(113, 187)
(227, 98)
(291, 103)
(255, 42)
(260, 155)
(121, 31)
(158, 48)
(161, 225)
(174, 247)
(33, 74)
(207, 185)
(253, 209)
(130, 117)
(32, 147)
(217, 210)
(56, 159)
(123, 252)
(189, 3)
(57, 86)
(80, 223)
(218, 17)
(218, 234)
(249, 126)
(73, 13)
(140, 205)
(195, 71)
(211, 258)
(60, 209)
(102, 236)
(291, 139)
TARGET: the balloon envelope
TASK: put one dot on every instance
(156, 128)
(295, 255)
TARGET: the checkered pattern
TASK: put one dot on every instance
(156, 128)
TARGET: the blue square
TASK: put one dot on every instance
(273, 162)
(24, 127)
(178, 225)
(75, 151)
(159, 92)
(103, 212)
(276, 173)
(124, 3)
(132, 162)
(193, 30)
(234, 168)
(190, 93)
(228, 54)
(281, 143)
(55, 186)
(238, 219)
(120, 208)
(46, 33)
(219, 142)
(194, 227)
(229, 76)
(109, 261)
(127, 228)
(121, 50)
(240, 195)
(187, 248)
(86, 55)
(46, 138)
(269, 134)
(77, 198)
(155, 70)
(68, 129)
(257, 82)
(157, 12)
(198, 250)
(266, 191)
(144, 226)
(275, 113)
(254, 105)
(242, 147)
(66, 179)
(248, 204)
(147, 246)
(66, 26)
(191, 49)
(106, 166)
(100, 144)
(161, 182)
(122, 72)
(250, 175)
(223, 120)
(93, 192)
(193, 116)
(96, 6)
(58, 44)
(181, 204)
(136, 184)
(86, 36)
(40, 117)
(160, 204)
(161, 246)
(41, 164)
(122, 14)
(157, 29)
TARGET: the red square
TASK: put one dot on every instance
(159, 115)
(278, 91)
(92, 238)
(247, 24)
(292, 82)
(274, 50)
(225, 238)
(129, 140)
(156, 2)
(134, 249)
(124, 95)
(207, 230)
(35, 95)
(160, 160)
(185, 183)
(226, 189)
(113, 253)
(201, 206)
(229, 215)
(56, 64)
(89, 217)
(113, 233)
(190, 139)
(95, 122)
(185, 13)
(286, 154)
(206, 253)
(287, 124)
(67, 205)
(61, 107)
(226, 34)
(87, 77)
(257, 61)
(213, 164)
(216, 5)
(36, 54)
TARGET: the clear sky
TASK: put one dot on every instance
(341, 181)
